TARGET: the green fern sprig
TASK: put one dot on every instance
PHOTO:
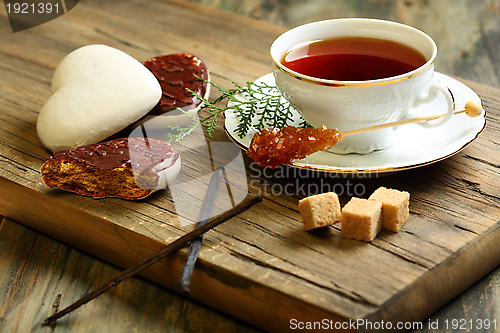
(257, 106)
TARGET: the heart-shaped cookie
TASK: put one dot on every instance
(177, 73)
(97, 91)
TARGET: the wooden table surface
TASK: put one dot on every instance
(37, 266)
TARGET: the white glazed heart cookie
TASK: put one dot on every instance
(97, 91)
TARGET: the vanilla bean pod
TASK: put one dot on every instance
(195, 245)
(175, 245)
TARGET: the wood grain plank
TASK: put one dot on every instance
(475, 256)
(36, 268)
(260, 267)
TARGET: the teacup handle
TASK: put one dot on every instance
(435, 88)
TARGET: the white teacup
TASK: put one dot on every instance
(348, 105)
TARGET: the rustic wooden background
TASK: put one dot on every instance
(467, 32)
(468, 36)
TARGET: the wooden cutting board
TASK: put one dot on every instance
(261, 266)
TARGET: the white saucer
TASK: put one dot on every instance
(416, 145)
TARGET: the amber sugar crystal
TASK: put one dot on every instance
(275, 146)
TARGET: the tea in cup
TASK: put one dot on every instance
(355, 73)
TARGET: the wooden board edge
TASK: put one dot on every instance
(244, 299)
(479, 88)
(432, 291)
(247, 300)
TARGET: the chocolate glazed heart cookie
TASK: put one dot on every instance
(125, 168)
(176, 73)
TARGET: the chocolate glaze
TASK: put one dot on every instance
(175, 72)
(141, 154)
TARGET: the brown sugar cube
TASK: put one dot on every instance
(361, 219)
(320, 210)
(395, 207)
